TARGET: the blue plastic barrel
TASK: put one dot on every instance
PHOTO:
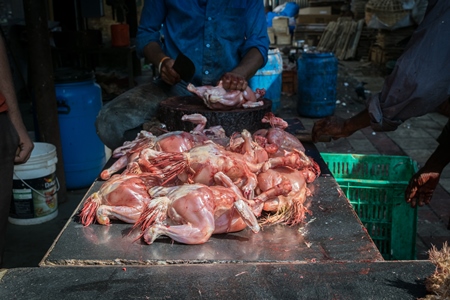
(269, 78)
(79, 101)
(317, 77)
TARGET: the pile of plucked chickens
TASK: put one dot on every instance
(190, 185)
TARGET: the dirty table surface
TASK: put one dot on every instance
(343, 280)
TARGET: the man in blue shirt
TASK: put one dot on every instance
(226, 40)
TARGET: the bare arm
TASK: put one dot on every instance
(7, 89)
(237, 78)
(337, 127)
(422, 184)
(154, 54)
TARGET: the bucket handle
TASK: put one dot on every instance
(39, 193)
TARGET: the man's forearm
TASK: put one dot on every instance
(439, 159)
(249, 64)
(441, 156)
(154, 54)
(357, 122)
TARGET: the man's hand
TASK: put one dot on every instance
(168, 74)
(233, 81)
(332, 126)
(421, 187)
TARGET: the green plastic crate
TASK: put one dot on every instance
(375, 186)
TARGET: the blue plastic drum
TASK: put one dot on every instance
(269, 78)
(79, 101)
(317, 78)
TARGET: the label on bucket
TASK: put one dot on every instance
(38, 201)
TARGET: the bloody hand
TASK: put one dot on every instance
(232, 81)
(332, 126)
(421, 187)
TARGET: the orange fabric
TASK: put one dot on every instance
(3, 106)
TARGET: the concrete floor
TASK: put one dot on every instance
(27, 245)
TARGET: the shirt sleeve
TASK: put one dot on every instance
(149, 29)
(256, 35)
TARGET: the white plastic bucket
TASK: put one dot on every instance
(35, 188)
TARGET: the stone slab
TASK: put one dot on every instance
(346, 280)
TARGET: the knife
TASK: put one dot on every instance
(184, 66)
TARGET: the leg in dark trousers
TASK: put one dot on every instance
(8, 146)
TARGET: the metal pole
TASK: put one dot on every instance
(42, 82)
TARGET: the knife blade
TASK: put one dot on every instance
(184, 66)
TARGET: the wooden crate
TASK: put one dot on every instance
(271, 34)
(280, 25)
(289, 82)
(283, 39)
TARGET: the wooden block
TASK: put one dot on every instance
(316, 19)
(283, 39)
(172, 109)
(280, 25)
(271, 34)
(320, 10)
(289, 82)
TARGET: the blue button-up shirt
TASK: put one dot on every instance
(215, 35)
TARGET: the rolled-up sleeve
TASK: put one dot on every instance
(256, 35)
(149, 29)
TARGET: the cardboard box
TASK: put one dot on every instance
(283, 39)
(280, 25)
(271, 34)
(321, 10)
(316, 19)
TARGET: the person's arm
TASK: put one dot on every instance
(7, 89)
(255, 48)
(237, 78)
(148, 40)
(154, 54)
(422, 185)
(337, 127)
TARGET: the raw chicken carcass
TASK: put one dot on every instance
(174, 141)
(217, 98)
(215, 133)
(276, 140)
(123, 197)
(243, 143)
(191, 213)
(283, 192)
(199, 165)
(129, 152)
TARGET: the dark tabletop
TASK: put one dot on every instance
(295, 280)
